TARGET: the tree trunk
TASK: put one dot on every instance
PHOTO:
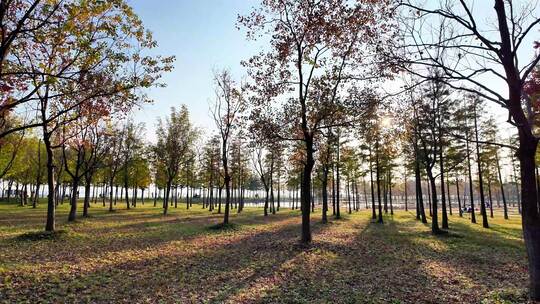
(349, 195)
(73, 201)
(390, 192)
(134, 198)
(166, 197)
(530, 216)
(435, 216)
(50, 224)
(111, 181)
(156, 195)
(480, 177)
(377, 168)
(116, 194)
(356, 196)
(364, 188)
(220, 190)
(266, 191)
(421, 212)
(490, 198)
(126, 189)
(86, 204)
(176, 196)
(278, 192)
(10, 184)
(305, 194)
(385, 195)
(325, 194)
(333, 191)
(458, 198)
(448, 194)
(227, 179)
(338, 213)
(36, 196)
(429, 199)
(443, 197)
(471, 194)
(406, 199)
(373, 212)
(505, 206)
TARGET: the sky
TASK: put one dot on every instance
(202, 34)
(203, 37)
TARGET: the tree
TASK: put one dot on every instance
(175, 137)
(492, 135)
(139, 176)
(260, 153)
(211, 169)
(426, 114)
(131, 145)
(326, 163)
(476, 105)
(228, 105)
(111, 160)
(315, 48)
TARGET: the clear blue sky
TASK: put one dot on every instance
(202, 35)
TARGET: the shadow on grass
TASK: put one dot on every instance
(400, 261)
(211, 268)
(350, 261)
(222, 227)
(41, 235)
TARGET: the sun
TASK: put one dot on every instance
(386, 121)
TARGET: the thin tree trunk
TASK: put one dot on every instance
(458, 198)
(86, 202)
(435, 216)
(473, 216)
(51, 207)
(373, 213)
(377, 168)
(505, 206)
(325, 194)
(483, 211)
(73, 201)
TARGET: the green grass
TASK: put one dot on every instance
(141, 256)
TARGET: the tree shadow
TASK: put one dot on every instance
(210, 268)
(349, 261)
(402, 261)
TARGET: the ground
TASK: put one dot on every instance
(140, 256)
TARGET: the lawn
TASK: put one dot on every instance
(140, 256)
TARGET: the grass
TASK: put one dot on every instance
(140, 256)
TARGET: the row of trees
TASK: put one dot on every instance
(108, 162)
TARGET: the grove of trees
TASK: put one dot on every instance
(379, 105)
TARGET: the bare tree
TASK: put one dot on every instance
(226, 109)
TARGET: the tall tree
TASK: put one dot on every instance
(226, 111)
(175, 138)
(315, 48)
